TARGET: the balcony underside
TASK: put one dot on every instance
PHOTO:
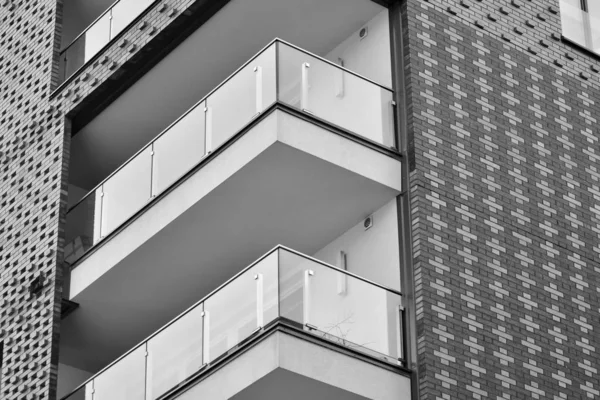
(106, 139)
(285, 366)
(284, 181)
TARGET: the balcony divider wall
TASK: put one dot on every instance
(280, 73)
(282, 286)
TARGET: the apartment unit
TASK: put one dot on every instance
(265, 199)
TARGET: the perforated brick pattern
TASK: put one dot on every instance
(31, 170)
(505, 202)
(34, 157)
(126, 47)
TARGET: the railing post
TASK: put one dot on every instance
(110, 25)
(304, 99)
(208, 129)
(259, 300)
(306, 294)
(342, 278)
(148, 374)
(89, 390)
(152, 174)
(258, 72)
(205, 337)
(339, 80)
(64, 77)
(102, 213)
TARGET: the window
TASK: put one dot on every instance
(581, 22)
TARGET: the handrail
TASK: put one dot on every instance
(193, 107)
(164, 131)
(215, 291)
(335, 65)
(352, 274)
(94, 23)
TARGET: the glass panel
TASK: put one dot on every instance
(175, 354)
(330, 93)
(339, 307)
(124, 380)
(85, 393)
(124, 12)
(267, 270)
(250, 91)
(178, 149)
(83, 227)
(88, 44)
(126, 192)
(62, 67)
(230, 315)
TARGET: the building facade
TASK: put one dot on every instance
(278, 199)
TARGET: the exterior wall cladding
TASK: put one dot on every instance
(505, 187)
(505, 201)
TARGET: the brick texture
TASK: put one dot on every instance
(505, 201)
(32, 163)
(34, 158)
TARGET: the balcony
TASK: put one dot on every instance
(87, 44)
(581, 23)
(290, 149)
(281, 74)
(282, 287)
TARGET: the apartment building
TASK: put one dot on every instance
(266, 199)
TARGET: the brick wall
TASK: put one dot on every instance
(505, 202)
(31, 169)
(34, 158)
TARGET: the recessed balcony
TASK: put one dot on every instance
(282, 287)
(177, 220)
(280, 74)
(82, 45)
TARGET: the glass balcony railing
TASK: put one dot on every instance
(579, 25)
(279, 73)
(93, 39)
(281, 286)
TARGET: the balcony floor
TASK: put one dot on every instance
(285, 181)
(284, 366)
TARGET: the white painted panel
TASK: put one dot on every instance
(372, 253)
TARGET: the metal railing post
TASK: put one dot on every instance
(260, 322)
(304, 99)
(205, 337)
(208, 128)
(258, 72)
(306, 297)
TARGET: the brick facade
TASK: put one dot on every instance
(505, 193)
(32, 161)
(34, 158)
(505, 202)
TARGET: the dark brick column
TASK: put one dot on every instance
(505, 202)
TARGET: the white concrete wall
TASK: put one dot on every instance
(69, 378)
(371, 253)
(349, 308)
(369, 56)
